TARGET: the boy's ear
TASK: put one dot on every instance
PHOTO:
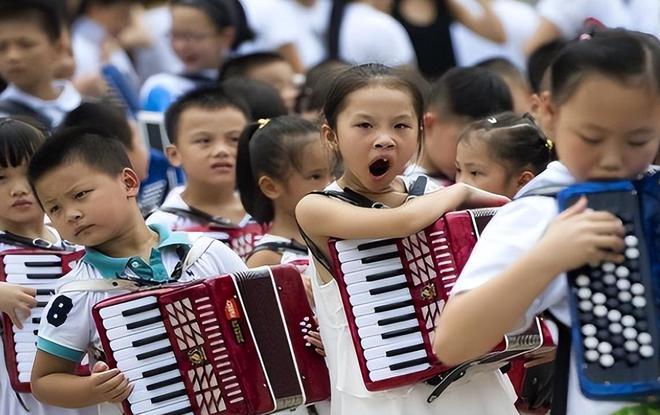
(131, 182)
(525, 178)
(269, 187)
(173, 155)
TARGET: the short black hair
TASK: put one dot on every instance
(262, 98)
(504, 68)
(318, 81)
(539, 62)
(18, 142)
(240, 66)
(471, 92)
(103, 119)
(45, 13)
(205, 98)
(78, 145)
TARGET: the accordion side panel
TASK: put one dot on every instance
(257, 295)
(298, 316)
(41, 270)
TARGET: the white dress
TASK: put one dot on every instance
(478, 393)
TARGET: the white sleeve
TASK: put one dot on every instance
(568, 16)
(515, 229)
(162, 218)
(66, 326)
(87, 57)
(218, 259)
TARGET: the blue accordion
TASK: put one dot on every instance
(616, 307)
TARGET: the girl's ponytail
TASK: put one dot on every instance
(254, 201)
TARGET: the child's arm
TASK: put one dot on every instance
(473, 322)
(16, 302)
(265, 257)
(321, 216)
(54, 383)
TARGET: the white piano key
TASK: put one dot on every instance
(122, 355)
(122, 331)
(355, 266)
(22, 279)
(363, 287)
(19, 269)
(377, 341)
(22, 259)
(144, 395)
(43, 298)
(369, 308)
(371, 319)
(117, 309)
(138, 372)
(380, 351)
(353, 244)
(124, 342)
(378, 330)
(361, 276)
(142, 383)
(386, 362)
(354, 254)
(25, 367)
(26, 357)
(25, 337)
(133, 362)
(25, 347)
(167, 406)
(167, 409)
(367, 298)
(120, 320)
(27, 328)
(383, 374)
(24, 377)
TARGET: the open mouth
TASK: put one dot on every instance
(379, 167)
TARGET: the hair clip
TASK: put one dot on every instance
(262, 122)
(549, 144)
(585, 36)
(492, 120)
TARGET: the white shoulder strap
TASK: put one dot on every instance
(98, 286)
(197, 249)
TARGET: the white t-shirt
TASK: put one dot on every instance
(520, 21)
(569, 16)
(368, 35)
(9, 401)
(513, 231)
(159, 56)
(485, 393)
(55, 110)
(73, 334)
(272, 24)
(313, 21)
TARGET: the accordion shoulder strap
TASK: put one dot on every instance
(292, 246)
(199, 215)
(198, 248)
(98, 286)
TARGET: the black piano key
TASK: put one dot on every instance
(397, 319)
(42, 304)
(379, 258)
(35, 332)
(160, 370)
(388, 288)
(376, 244)
(142, 323)
(164, 383)
(410, 363)
(180, 411)
(36, 320)
(43, 276)
(43, 264)
(401, 332)
(384, 274)
(168, 396)
(45, 292)
(156, 352)
(393, 306)
(138, 310)
(404, 350)
(149, 340)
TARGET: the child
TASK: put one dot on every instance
(22, 222)
(374, 122)
(460, 96)
(204, 127)
(280, 161)
(603, 111)
(31, 43)
(202, 33)
(502, 153)
(263, 100)
(515, 80)
(88, 189)
(267, 67)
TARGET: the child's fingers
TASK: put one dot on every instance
(320, 351)
(314, 338)
(28, 299)
(111, 384)
(576, 208)
(122, 393)
(612, 243)
(103, 377)
(15, 320)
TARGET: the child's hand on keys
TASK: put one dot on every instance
(313, 339)
(16, 302)
(109, 385)
(580, 236)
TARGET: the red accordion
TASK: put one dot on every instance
(240, 239)
(227, 345)
(41, 270)
(394, 289)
